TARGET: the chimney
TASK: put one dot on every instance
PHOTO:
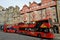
(29, 3)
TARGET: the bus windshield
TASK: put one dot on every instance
(43, 26)
(39, 23)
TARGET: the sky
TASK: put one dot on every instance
(20, 3)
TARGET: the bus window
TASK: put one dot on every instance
(21, 28)
(39, 23)
(8, 28)
(32, 29)
(44, 30)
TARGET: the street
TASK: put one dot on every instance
(13, 36)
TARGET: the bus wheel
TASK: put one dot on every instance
(6, 31)
(39, 36)
(50, 39)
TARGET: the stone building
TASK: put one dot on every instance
(40, 11)
(25, 14)
(9, 14)
(58, 9)
(1, 8)
(12, 15)
(16, 15)
(2, 15)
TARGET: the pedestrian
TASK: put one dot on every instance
(55, 29)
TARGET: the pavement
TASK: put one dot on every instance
(57, 36)
(13, 36)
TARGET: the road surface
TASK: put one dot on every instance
(13, 36)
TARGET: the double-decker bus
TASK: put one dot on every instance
(10, 28)
(40, 29)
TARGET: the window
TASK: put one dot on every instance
(21, 28)
(3, 10)
(55, 20)
(53, 14)
(43, 13)
(44, 30)
(32, 29)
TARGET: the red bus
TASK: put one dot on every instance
(39, 29)
(10, 28)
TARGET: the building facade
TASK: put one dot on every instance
(12, 15)
(1, 8)
(58, 9)
(35, 11)
(2, 15)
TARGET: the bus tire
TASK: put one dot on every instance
(6, 31)
(50, 39)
